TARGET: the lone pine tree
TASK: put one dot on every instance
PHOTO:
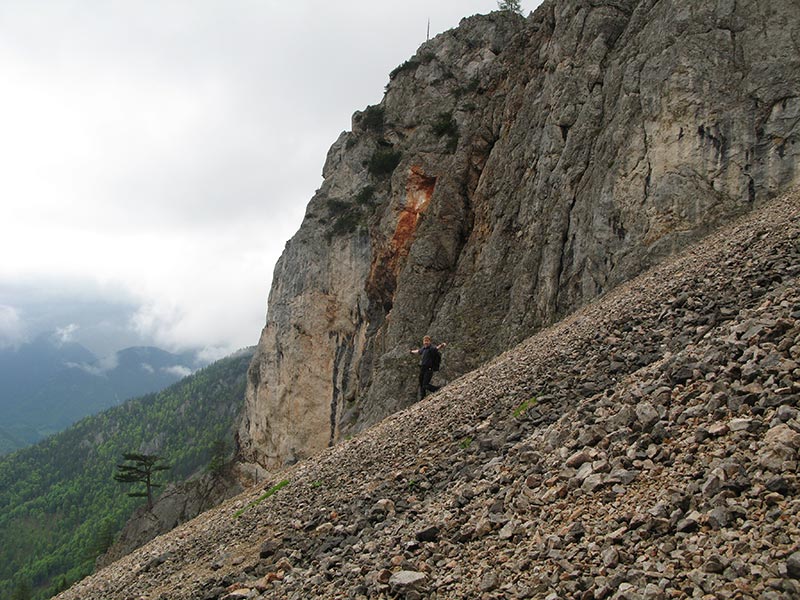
(143, 469)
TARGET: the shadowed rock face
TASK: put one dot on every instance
(515, 169)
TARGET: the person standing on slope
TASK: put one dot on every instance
(428, 363)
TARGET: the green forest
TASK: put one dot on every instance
(60, 506)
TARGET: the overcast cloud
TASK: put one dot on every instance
(157, 155)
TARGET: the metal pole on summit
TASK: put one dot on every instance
(428, 34)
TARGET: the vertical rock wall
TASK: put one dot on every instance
(515, 169)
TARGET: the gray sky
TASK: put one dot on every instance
(157, 155)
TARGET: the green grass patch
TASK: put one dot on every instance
(346, 224)
(383, 161)
(348, 217)
(524, 407)
(365, 196)
(336, 206)
(444, 125)
(372, 118)
(465, 443)
(263, 497)
(410, 65)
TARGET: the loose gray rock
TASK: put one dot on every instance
(793, 565)
(405, 580)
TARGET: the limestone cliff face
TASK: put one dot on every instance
(515, 169)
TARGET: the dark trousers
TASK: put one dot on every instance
(425, 386)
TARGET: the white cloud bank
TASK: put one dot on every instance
(99, 368)
(66, 334)
(178, 370)
(12, 330)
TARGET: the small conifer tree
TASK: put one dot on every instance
(219, 456)
(143, 469)
(22, 591)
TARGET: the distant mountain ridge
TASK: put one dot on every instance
(49, 383)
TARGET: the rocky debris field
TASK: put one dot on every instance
(644, 447)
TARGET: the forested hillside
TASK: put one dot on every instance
(59, 504)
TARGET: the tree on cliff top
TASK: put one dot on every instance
(142, 471)
(510, 5)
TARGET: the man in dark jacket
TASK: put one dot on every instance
(427, 364)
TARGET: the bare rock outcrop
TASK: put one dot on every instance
(515, 169)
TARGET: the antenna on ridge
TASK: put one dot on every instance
(428, 35)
